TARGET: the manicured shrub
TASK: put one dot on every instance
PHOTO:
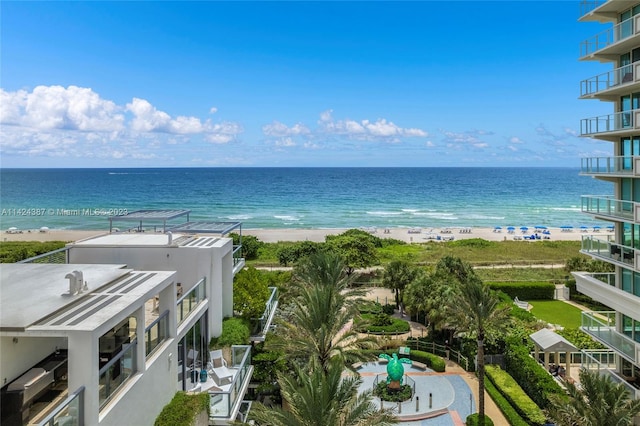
(432, 361)
(525, 290)
(530, 375)
(183, 409)
(235, 331)
(580, 339)
(382, 391)
(389, 309)
(508, 387)
(505, 406)
(367, 324)
(474, 420)
(15, 251)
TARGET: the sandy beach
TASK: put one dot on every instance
(409, 235)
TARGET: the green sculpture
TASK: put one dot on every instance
(395, 370)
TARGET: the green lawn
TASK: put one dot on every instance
(556, 312)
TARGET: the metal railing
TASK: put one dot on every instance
(601, 326)
(222, 402)
(440, 350)
(618, 32)
(189, 301)
(604, 205)
(608, 250)
(606, 165)
(59, 256)
(607, 123)
(607, 80)
(608, 278)
(116, 372)
(156, 333)
(70, 411)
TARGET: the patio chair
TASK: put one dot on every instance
(218, 368)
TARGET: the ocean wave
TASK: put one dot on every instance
(239, 217)
(438, 215)
(482, 217)
(566, 209)
(383, 213)
(287, 217)
(410, 210)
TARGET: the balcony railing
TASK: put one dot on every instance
(606, 165)
(587, 6)
(608, 250)
(618, 32)
(59, 256)
(189, 301)
(591, 363)
(601, 326)
(223, 402)
(606, 81)
(156, 333)
(116, 372)
(609, 207)
(608, 123)
(260, 326)
(70, 411)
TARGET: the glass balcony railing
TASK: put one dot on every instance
(607, 206)
(601, 326)
(59, 256)
(606, 165)
(606, 81)
(260, 326)
(223, 402)
(618, 32)
(594, 363)
(587, 6)
(189, 301)
(156, 333)
(68, 412)
(116, 372)
(607, 123)
(608, 250)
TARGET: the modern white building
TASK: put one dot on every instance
(618, 45)
(107, 336)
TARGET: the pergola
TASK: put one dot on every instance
(548, 342)
(154, 216)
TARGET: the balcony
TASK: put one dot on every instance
(70, 411)
(610, 166)
(238, 262)
(611, 126)
(188, 302)
(611, 43)
(601, 326)
(594, 363)
(609, 251)
(608, 208)
(612, 84)
(226, 403)
(603, 10)
(604, 288)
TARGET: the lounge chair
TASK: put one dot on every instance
(218, 368)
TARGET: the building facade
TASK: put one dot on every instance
(109, 333)
(618, 327)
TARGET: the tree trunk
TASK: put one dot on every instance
(481, 379)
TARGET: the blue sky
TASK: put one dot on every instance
(208, 84)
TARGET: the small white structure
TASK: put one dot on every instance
(549, 342)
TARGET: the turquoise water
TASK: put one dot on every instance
(301, 197)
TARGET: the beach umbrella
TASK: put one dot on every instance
(582, 227)
(610, 227)
(524, 228)
(541, 227)
(498, 227)
(13, 228)
(511, 228)
(597, 228)
(44, 229)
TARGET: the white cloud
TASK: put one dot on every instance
(459, 140)
(285, 142)
(213, 110)
(278, 129)
(515, 139)
(56, 107)
(379, 130)
(76, 122)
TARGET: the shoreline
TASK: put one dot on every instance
(273, 235)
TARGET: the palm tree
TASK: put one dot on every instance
(318, 328)
(319, 399)
(475, 308)
(398, 274)
(599, 402)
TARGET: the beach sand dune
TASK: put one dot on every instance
(409, 235)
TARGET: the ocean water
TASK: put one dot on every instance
(301, 197)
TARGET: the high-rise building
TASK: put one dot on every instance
(618, 327)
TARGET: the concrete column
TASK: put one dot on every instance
(142, 340)
(568, 364)
(546, 361)
(84, 367)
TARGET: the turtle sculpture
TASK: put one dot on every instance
(395, 370)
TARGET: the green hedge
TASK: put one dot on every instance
(515, 395)
(474, 420)
(364, 325)
(528, 290)
(432, 361)
(235, 331)
(530, 375)
(505, 406)
(183, 409)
